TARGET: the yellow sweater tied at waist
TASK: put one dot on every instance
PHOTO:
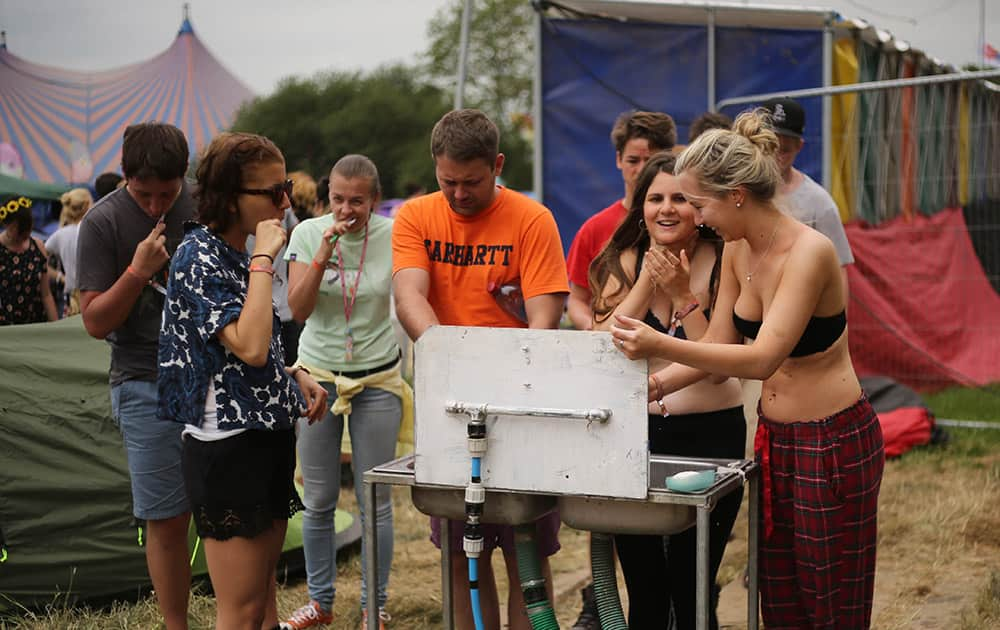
(390, 380)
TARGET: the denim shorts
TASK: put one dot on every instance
(153, 447)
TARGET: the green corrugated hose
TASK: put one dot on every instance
(602, 565)
(536, 599)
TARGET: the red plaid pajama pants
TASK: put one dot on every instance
(820, 504)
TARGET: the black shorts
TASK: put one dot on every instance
(239, 486)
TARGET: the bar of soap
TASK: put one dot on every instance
(691, 480)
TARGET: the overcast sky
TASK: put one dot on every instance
(262, 42)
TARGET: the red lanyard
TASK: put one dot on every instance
(349, 307)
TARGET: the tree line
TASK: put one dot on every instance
(387, 114)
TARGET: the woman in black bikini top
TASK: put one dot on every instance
(818, 439)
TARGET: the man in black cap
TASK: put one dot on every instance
(799, 195)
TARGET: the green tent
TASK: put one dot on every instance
(10, 186)
(66, 526)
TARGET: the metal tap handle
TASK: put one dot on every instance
(590, 415)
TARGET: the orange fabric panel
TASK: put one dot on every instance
(964, 149)
(907, 161)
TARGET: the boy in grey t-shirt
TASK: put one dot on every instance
(124, 245)
(107, 246)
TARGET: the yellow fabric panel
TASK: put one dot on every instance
(390, 380)
(963, 145)
(844, 152)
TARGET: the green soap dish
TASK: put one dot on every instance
(691, 480)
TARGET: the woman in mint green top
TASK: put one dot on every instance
(339, 274)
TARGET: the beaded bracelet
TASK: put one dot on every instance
(266, 270)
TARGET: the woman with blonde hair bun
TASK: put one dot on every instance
(818, 439)
(62, 243)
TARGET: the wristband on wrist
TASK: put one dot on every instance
(319, 266)
(298, 368)
(675, 321)
(130, 269)
(266, 270)
(268, 256)
(659, 386)
(663, 408)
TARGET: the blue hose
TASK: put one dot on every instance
(472, 529)
(477, 609)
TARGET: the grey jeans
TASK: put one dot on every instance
(374, 428)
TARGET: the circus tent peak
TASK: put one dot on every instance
(66, 126)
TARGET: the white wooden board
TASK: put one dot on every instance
(516, 367)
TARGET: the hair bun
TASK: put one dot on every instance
(755, 126)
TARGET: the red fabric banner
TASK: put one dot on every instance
(922, 310)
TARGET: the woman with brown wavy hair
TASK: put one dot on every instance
(659, 267)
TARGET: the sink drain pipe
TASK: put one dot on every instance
(602, 566)
(529, 570)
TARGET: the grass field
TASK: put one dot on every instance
(939, 548)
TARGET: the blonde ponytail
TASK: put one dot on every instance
(743, 157)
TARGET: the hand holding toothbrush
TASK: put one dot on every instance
(330, 237)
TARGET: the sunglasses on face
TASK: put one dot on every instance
(276, 192)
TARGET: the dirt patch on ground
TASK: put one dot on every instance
(933, 599)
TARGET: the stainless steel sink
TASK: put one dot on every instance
(502, 508)
(654, 515)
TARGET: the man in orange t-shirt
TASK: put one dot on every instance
(451, 251)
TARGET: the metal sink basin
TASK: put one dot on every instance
(502, 508)
(659, 514)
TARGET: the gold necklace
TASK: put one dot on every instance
(766, 251)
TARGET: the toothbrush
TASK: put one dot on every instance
(333, 239)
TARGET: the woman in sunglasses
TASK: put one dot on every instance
(339, 273)
(222, 374)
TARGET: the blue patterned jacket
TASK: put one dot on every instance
(206, 290)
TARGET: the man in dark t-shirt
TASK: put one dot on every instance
(123, 249)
